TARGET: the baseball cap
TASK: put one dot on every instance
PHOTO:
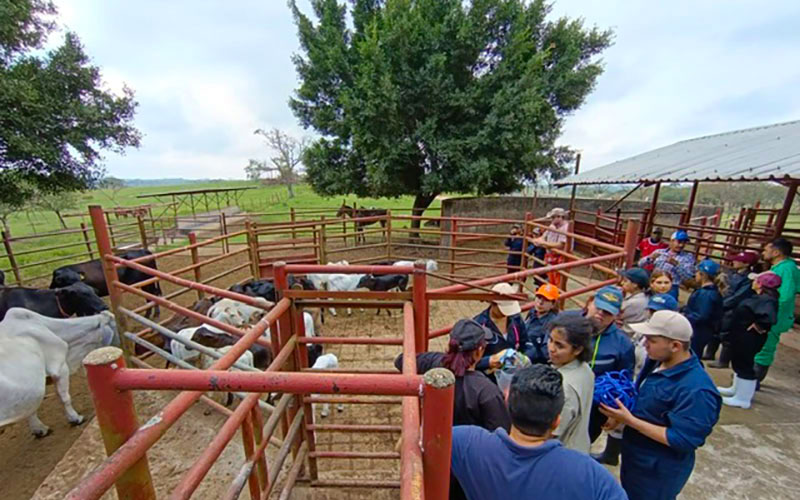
(468, 334)
(658, 230)
(507, 307)
(609, 298)
(557, 211)
(767, 279)
(747, 257)
(680, 235)
(548, 291)
(638, 276)
(662, 302)
(709, 267)
(669, 324)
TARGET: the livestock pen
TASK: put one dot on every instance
(286, 445)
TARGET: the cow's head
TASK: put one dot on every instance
(65, 277)
(80, 299)
(230, 316)
(366, 281)
(215, 340)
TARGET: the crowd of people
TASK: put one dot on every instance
(534, 436)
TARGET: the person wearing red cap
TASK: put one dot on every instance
(751, 322)
(739, 288)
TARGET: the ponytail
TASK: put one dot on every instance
(721, 280)
(457, 361)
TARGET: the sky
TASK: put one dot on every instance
(207, 73)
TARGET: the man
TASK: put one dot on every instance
(778, 253)
(651, 244)
(673, 260)
(554, 238)
(675, 410)
(515, 243)
(527, 462)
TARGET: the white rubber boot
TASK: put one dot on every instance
(745, 389)
(729, 391)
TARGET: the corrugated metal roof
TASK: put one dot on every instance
(762, 153)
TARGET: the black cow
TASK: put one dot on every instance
(91, 273)
(2, 278)
(266, 288)
(78, 299)
(385, 283)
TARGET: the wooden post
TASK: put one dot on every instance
(198, 278)
(153, 224)
(85, 233)
(226, 243)
(323, 252)
(574, 187)
(780, 224)
(11, 260)
(692, 197)
(388, 235)
(453, 244)
(292, 219)
(110, 230)
(252, 248)
(631, 241)
(142, 230)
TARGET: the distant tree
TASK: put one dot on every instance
(56, 203)
(110, 188)
(423, 97)
(6, 211)
(55, 116)
(287, 154)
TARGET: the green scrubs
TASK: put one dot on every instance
(790, 285)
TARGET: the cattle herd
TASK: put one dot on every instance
(47, 332)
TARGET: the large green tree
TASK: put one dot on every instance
(424, 97)
(55, 115)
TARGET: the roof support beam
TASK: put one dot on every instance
(653, 208)
(787, 207)
(614, 205)
(692, 197)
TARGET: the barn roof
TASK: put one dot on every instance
(755, 154)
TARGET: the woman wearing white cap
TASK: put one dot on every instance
(554, 239)
(503, 319)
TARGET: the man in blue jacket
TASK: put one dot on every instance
(675, 410)
(527, 462)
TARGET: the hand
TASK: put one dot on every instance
(620, 414)
(672, 261)
(494, 360)
(611, 425)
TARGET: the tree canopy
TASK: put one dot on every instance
(55, 115)
(287, 153)
(424, 97)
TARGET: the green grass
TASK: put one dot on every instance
(261, 200)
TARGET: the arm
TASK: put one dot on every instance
(569, 413)
(650, 259)
(628, 359)
(494, 411)
(622, 415)
(739, 294)
(702, 308)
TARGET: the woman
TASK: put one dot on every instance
(537, 324)
(660, 282)
(704, 309)
(751, 321)
(476, 400)
(740, 287)
(503, 320)
(570, 353)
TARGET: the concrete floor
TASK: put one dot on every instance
(755, 453)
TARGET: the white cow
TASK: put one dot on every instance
(327, 362)
(33, 347)
(430, 265)
(244, 314)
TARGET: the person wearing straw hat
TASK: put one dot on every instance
(675, 410)
(749, 326)
(503, 319)
(537, 323)
(554, 239)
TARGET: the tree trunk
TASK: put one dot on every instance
(421, 202)
(291, 189)
(60, 218)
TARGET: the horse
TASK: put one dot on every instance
(357, 213)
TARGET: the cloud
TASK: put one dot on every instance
(207, 73)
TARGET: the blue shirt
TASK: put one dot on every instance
(685, 401)
(704, 312)
(489, 465)
(684, 270)
(538, 330)
(515, 245)
(514, 337)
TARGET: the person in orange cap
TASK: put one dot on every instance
(537, 323)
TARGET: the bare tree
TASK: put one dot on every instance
(110, 188)
(287, 154)
(56, 203)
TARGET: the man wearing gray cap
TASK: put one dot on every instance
(675, 410)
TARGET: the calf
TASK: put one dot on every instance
(385, 283)
(76, 299)
(91, 273)
(266, 288)
(249, 314)
(179, 322)
(33, 347)
(327, 362)
(430, 265)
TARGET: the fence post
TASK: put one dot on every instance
(252, 249)
(420, 306)
(631, 233)
(226, 243)
(437, 431)
(105, 250)
(323, 241)
(284, 332)
(453, 245)
(11, 260)
(388, 235)
(526, 233)
(86, 240)
(301, 362)
(110, 229)
(142, 230)
(292, 219)
(198, 275)
(116, 417)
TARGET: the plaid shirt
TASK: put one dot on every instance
(680, 273)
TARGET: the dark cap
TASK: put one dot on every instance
(748, 257)
(638, 276)
(468, 334)
(662, 302)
